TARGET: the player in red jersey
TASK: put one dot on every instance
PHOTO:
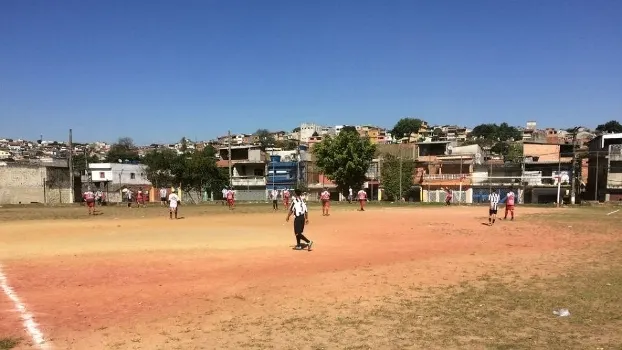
(286, 197)
(510, 200)
(448, 196)
(89, 198)
(325, 198)
(362, 198)
(231, 198)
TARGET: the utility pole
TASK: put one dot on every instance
(298, 161)
(401, 193)
(574, 166)
(597, 174)
(229, 157)
(559, 176)
(71, 179)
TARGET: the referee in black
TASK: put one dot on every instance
(301, 217)
(493, 198)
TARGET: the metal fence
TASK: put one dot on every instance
(439, 196)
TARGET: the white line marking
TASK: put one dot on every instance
(613, 212)
(29, 323)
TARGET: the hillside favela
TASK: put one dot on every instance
(547, 165)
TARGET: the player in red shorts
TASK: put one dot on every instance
(362, 198)
(89, 198)
(231, 198)
(286, 197)
(510, 200)
(325, 198)
(448, 196)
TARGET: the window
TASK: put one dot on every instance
(102, 175)
(132, 176)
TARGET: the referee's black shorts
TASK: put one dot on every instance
(299, 224)
(492, 211)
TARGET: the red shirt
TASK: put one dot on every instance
(325, 195)
(362, 195)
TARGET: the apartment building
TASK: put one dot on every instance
(604, 182)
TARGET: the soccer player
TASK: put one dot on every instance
(448, 196)
(89, 198)
(510, 199)
(163, 195)
(231, 198)
(224, 195)
(325, 198)
(173, 203)
(493, 198)
(362, 198)
(274, 194)
(140, 197)
(301, 218)
(350, 195)
(286, 197)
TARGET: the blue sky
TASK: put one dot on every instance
(160, 70)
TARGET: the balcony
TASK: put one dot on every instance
(445, 177)
(248, 181)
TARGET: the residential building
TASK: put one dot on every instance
(284, 170)
(112, 178)
(545, 166)
(307, 130)
(248, 165)
(604, 182)
(442, 165)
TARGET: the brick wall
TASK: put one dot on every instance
(544, 151)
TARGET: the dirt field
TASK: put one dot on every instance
(387, 278)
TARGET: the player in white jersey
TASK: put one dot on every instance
(493, 199)
(89, 198)
(173, 203)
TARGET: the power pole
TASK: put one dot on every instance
(298, 162)
(230, 165)
(574, 166)
(71, 179)
(400, 149)
(597, 174)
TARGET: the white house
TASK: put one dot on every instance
(112, 177)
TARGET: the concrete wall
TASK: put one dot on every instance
(34, 184)
(544, 151)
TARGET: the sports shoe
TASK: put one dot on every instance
(309, 246)
(297, 247)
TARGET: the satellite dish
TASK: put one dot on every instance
(449, 149)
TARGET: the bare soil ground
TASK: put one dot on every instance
(387, 278)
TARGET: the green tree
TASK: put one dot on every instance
(391, 175)
(193, 171)
(265, 137)
(612, 126)
(81, 160)
(160, 163)
(511, 151)
(345, 158)
(492, 133)
(124, 150)
(406, 126)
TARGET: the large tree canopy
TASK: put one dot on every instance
(192, 170)
(406, 126)
(345, 158)
(391, 176)
(494, 133)
(265, 137)
(123, 150)
(511, 151)
(612, 126)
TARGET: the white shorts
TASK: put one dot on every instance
(173, 207)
